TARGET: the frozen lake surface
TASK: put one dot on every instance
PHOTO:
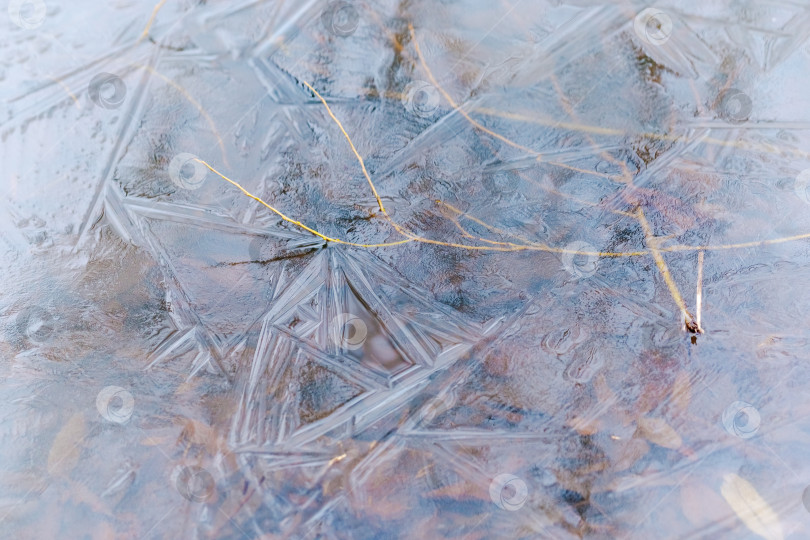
(405, 269)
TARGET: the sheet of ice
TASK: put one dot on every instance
(558, 178)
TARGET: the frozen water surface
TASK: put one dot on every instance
(520, 269)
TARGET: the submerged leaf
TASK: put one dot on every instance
(750, 507)
(657, 431)
(701, 504)
(66, 447)
(681, 392)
